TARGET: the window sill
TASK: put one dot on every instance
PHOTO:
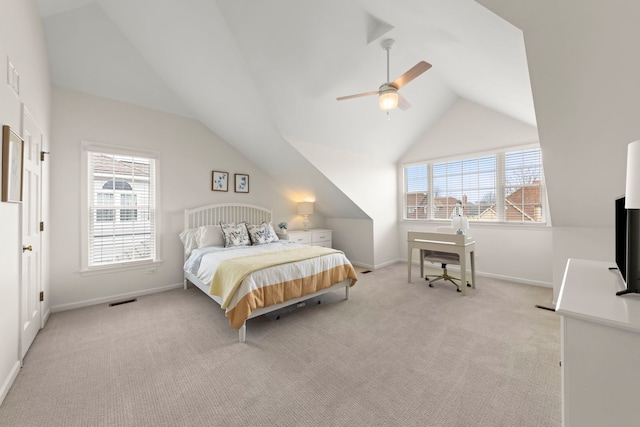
(444, 223)
(117, 268)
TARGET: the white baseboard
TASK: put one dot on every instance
(516, 279)
(45, 318)
(388, 263)
(373, 267)
(362, 264)
(112, 298)
(9, 381)
(456, 268)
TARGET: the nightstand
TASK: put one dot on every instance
(313, 237)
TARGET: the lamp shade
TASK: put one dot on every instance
(632, 189)
(305, 208)
(388, 100)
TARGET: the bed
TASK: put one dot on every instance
(255, 278)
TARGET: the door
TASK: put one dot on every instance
(31, 280)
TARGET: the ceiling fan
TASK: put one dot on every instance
(388, 95)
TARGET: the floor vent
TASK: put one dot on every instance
(365, 272)
(113, 304)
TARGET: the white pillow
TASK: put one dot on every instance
(210, 235)
(274, 236)
(235, 235)
(260, 234)
(189, 239)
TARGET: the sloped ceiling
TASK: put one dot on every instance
(264, 74)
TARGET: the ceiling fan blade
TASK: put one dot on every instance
(342, 98)
(403, 104)
(414, 72)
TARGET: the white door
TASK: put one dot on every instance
(31, 283)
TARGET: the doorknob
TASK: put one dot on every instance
(27, 248)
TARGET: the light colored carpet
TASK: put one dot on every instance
(396, 354)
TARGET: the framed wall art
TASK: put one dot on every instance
(12, 164)
(241, 183)
(220, 181)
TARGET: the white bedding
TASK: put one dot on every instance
(271, 285)
(203, 265)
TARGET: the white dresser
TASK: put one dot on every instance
(600, 347)
(313, 237)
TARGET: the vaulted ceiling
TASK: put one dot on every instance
(265, 75)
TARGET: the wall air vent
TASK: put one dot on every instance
(127, 301)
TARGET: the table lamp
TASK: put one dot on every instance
(305, 209)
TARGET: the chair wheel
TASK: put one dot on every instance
(430, 285)
(458, 290)
(468, 285)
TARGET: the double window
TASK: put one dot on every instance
(501, 187)
(120, 197)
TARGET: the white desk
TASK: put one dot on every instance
(459, 244)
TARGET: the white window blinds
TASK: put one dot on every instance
(502, 187)
(121, 209)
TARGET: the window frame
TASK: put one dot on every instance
(85, 200)
(500, 189)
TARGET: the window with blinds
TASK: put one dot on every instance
(502, 187)
(121, 197)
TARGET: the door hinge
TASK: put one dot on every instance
(41, 295)
(41, 225)
(42, 153)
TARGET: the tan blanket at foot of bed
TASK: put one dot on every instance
(230, 273)
(274, 294)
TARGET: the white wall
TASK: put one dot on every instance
(355, 238)
(21, 40)
(584, 77)
(370, 183)
(521, 254)
(467, 127)
(188, 154)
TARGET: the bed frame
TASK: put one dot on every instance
(235, 212)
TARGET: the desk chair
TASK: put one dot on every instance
(443, 258)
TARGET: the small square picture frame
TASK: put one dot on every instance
(241, 182)
(219, 181)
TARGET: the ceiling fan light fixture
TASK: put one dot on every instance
(388, 98)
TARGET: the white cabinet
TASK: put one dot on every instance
(600, 347)
(313, 237)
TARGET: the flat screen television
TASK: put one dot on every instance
(627, 242)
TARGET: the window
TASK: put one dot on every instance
(121, 222)
(502, 187)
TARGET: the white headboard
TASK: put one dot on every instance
(225, 212)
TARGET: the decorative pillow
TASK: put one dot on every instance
(235, 234)
(210, 235)
(260, 234)
(274, 236)
(189, 239)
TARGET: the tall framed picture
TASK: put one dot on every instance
(219, 181)
(12, 164)
(241, 182)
